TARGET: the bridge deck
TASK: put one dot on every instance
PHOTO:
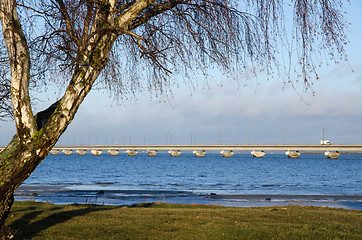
(309, 148)
(317, 148)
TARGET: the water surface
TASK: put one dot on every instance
(238, 181)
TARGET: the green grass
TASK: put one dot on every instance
(32, 220)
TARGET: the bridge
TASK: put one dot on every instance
(292, 151)
(309, 148)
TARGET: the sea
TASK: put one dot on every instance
(239, 181)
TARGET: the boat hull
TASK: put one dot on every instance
(199, 153)
(292, 154)
(258, 154)
(332, 155)
(227, 154)
(132, 152)
(174, 153)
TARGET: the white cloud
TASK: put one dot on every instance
(233, 112)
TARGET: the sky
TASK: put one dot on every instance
(263, 112)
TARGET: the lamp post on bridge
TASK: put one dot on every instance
(144, 138)
(249, 137)
(193, 133)
(323, 134)
(167, 134)
(284, 136)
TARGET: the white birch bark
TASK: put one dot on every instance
(19, 57)
(31, 145)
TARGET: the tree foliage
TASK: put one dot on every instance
(180, 37)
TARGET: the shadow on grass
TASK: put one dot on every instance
(27, 228)
(143, 205)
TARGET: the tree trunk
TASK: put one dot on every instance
(5, 210)
(17, 163)
(20, 158)
(36, 135)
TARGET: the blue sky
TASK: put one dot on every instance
(267, 109)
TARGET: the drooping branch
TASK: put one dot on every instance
(68, 22)
(87, 22)
(6, 109)
(318, 22)
(5, 102)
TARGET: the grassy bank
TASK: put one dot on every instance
(166, 221)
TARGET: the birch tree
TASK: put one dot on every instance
(126, 44)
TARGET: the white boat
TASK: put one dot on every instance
(258, 154)
(227, 154)
(199, 153)
(81, 152)
(96, 152)
(67, 152)
(174, 153)
(54, 152)
(113, 152)
(132, 152)
(152, 153)
(292, 154)
(332, 155)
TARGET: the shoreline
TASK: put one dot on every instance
(334, 201)
(63, 195)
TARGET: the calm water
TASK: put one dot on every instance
(238, 181)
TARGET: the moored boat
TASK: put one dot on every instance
(174, 153)
(54, 152)
(292, 154)
(152, 153)
(258, 154)
(113, 152)
(227, 154)
(96, 152)
(132, 152)
(67, 152)
(332, 155)
(198, 153)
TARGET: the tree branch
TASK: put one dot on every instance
(70, 28)
(87, 21)
(154, 11)
(124, 20)
(19, 57)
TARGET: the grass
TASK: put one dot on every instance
(33, 220)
